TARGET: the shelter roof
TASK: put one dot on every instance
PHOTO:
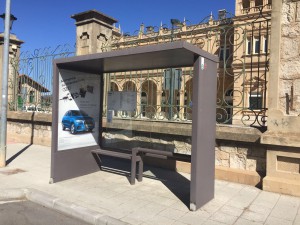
(159, 56)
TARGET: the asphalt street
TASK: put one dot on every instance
(29, 213)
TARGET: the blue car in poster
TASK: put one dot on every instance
(77, 121)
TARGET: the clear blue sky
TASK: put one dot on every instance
(47, 23)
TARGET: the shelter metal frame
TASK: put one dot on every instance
(79, 161)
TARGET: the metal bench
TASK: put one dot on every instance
(146, 152)
(124, 155)
(136, 155)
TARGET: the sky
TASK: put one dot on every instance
(47, 23)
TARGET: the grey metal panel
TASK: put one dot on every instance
(166, 55)
(54, 119)
(69, 163)
(203, 133)
(73, 163)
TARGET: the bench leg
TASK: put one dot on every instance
(141, 170)
(133, 170)
(98, 160)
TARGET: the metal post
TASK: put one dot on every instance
(172, 33)
(3, 121)
(171, 101)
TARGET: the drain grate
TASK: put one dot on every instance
(12, 172)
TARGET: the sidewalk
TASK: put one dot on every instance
(161, 198)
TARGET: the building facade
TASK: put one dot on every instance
(240, 41)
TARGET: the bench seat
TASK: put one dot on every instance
(124, 155)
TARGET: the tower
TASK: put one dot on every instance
(14, 54)
(94, 31)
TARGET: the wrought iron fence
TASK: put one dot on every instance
(242, 44)
(30, 80)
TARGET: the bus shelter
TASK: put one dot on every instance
(78, 90)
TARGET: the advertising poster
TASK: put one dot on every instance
(78, 109)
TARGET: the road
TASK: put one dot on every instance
(29, 213)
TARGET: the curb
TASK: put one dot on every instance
(12, 194)
(60, 205)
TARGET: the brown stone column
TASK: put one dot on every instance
(94, 31)
(14, 54)
(282, 137)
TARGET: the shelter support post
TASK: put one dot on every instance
(203, 133)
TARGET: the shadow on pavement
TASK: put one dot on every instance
(175, 182)
(17, 154)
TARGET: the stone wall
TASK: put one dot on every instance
(29, 128)
(290, 57)
(282, 136)
(239, 156)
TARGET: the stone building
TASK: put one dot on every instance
(29, 93)
(242, 43)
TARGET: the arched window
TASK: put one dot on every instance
(149, 96)
(129, 86)
(143, 103)
(188, 104)
(246, 4)
(255, 101)
(259, 2)
(31, 97)
(113, 86)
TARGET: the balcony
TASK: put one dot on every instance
(256, 9)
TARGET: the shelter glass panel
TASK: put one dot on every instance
(151, 109)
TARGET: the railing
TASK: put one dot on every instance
(243, 70)
(30, 82)
(243, 49)
(256, 9)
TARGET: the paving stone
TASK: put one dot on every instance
(224, 195)
(223, 218)
(160, 220)
(242, 221)
(192, 219)
(212, 206)
(212, 222)
(147, 212)
(259, 209)
(277, 221)
(201, 213)
(179, 223)
(133, 221)
(230, 210)
(172, 213)
(266, 199)
(254, 216)
(297, 220)
(244, 198)
(159, 199)
(286, 208)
